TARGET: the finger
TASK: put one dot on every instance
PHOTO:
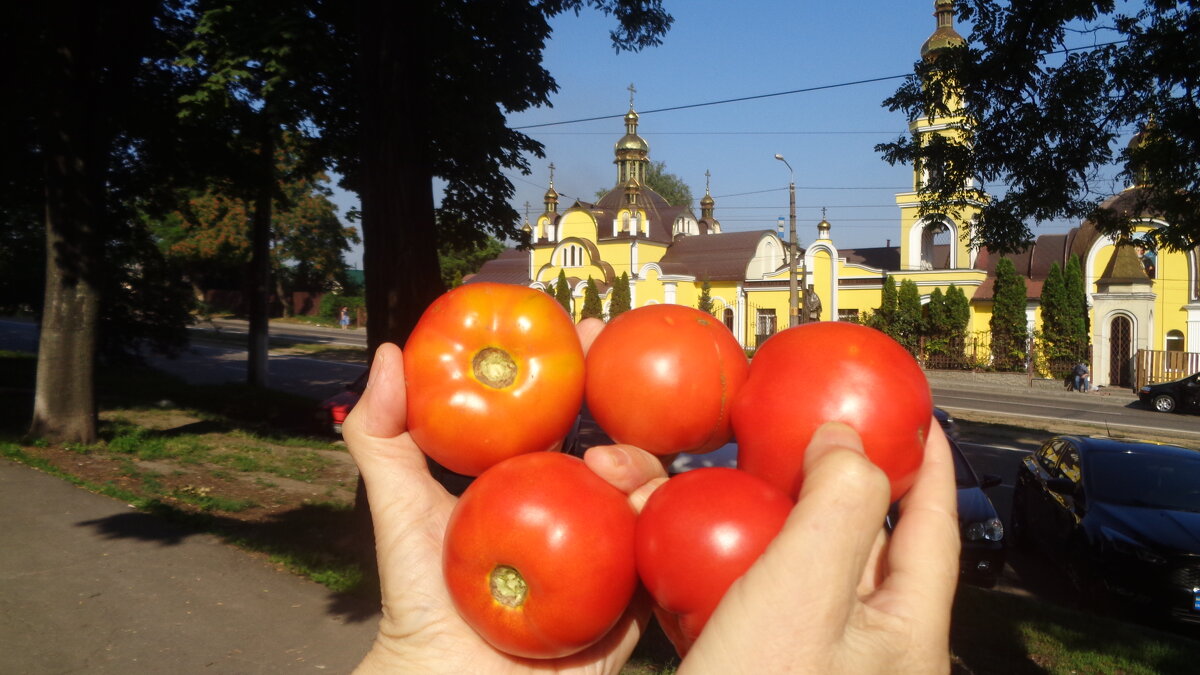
(387, 458)
(923, 555)
(588, 329)
(382, 409)
(830, 535)
(631, 470)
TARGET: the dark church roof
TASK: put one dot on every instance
(716, 257)
(510, 267)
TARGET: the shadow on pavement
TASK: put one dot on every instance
(318, 539)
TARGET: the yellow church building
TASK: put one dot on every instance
(670, 254)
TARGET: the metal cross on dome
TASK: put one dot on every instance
(632, 91)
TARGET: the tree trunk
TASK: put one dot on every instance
(400, 262)
(260, 263)
(399, 245)
(72, 139)
(64, 405)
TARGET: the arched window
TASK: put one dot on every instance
(1174, 341)
(572, 256)
(935, 247)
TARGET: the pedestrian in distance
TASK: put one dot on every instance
(1081, 380)
(344, 317)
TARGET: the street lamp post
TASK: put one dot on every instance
(793, 288)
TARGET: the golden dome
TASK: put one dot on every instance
(944, 37)
(707, 200)
(632, 142)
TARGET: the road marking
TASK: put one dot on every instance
(1100, 423)
(989, 446)
(1065, 408)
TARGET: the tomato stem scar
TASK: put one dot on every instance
(508, 586)
(494, 367)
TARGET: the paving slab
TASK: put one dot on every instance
(89, 584)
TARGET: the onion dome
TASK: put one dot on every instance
(944, 37)
(631, 140)
(1141, 175)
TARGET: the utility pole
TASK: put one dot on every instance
(793, 286)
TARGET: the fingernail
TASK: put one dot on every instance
(618, 456)
(376, 366)
(839, 434)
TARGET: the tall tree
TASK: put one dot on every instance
(562, 292)
(257, 83)
(619, 297)
(472, 62)
(1008, 323)
(76, 96)
(1056, 340)
(592, 307)
(937, 321)
(1077, 306)
(705, 303)
(1051, 89)
(908, 323)
(885, 315)
(207, 237)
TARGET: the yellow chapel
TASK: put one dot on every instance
(1137, 300)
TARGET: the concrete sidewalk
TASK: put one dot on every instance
(88, 584)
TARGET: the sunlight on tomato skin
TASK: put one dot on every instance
(815, 373)
(565, 531)
(460, 420)
(663, 378)
(698, 533)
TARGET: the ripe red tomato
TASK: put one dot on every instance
(805, 376)
(539, 555)
(663, 377)
(492, 371)
(698, 533)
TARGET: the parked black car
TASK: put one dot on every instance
(1172, 396)
(982, 531)
(1121, 517)
(980, 527)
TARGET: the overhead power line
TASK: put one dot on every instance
(721, 102)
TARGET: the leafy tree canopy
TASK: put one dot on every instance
(668, 186)
(1052, 88)
(457, 262)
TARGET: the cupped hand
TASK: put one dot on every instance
(420, 630)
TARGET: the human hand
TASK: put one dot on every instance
(420, 630)
(833, 593)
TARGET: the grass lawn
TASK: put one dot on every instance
(253, 467)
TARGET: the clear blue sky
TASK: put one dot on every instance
(719, 50)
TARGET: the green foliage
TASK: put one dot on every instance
(458, 261)
(1008, 323)
(1045, 123)
(908, 323)
(1063, 340)
(885, 315)
(331, 303)
(669, 186)
(208, 235)
(592, 307)
(1056, 337)
(619, 297)
(562, 292)
(1080, 322)
(705, 303)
